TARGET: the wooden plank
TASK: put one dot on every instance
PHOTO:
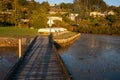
(40, 63)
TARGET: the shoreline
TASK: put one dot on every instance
(26, 40)
(13, 41)
(103, 34)
(66, 42)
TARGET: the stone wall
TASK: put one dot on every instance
(68, 41)
(11, 42)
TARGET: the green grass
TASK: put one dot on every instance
(65, 35)
(16, 32)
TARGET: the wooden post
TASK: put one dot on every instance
(20, 48)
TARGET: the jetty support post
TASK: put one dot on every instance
(20, 48)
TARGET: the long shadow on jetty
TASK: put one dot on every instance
(46, 60)
(57, 46)
(19, 62)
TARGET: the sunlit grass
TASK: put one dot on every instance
(65, 35)
(12, 31)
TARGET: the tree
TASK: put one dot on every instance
(91, 4)
(111, 19)
(38, 19)
(45, 6)
(22, 2)
(67, 20)
(66, 7)
(77, 6)
(6, 17)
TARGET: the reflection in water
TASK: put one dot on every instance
(94, 57)
(8, 57)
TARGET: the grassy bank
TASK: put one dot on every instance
(65, 35)
(65, 39)
(14, 32)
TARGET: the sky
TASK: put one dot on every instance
(113, 2)
(109, 2)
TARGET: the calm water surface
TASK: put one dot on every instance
(94, 57)
(8, 57)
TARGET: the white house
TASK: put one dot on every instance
(111, 13)
(25, 20)
(97, 14)
(55, 18)
(52, 5)
(52, 12)
(6, 12)
(72, 16)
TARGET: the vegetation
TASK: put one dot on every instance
(30, 14)
(99, 25)
(23, 13)
(39, 19)
(84, 23)
(15, 32)
(65, 35)
(89, 5)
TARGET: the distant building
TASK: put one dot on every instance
(55, 18)
(6, 12)
(111, 13)
(52, 5)
(73, 16)
(25, 20)
(53, 12)
(97, 14)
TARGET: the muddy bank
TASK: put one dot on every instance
(13, 42)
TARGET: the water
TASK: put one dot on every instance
(93, 57)
(8, 57)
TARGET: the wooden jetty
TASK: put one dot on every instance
(40, 62)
